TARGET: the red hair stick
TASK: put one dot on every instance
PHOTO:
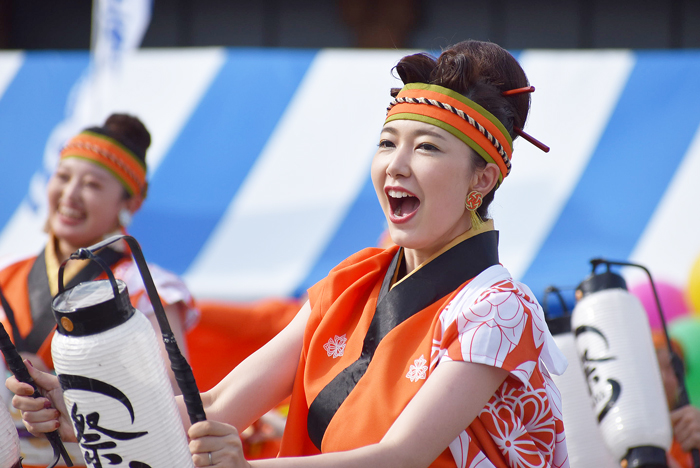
(511, 92)
(532, 140)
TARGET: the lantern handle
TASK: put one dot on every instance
(19, 370)
(85, 254)
(676, 362)
(601, 261)
(557, 292)
(178, 363)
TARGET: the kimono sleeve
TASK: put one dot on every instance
(496, 327)
(171, 290)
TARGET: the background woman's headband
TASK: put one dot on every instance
(462, 117)
(108, 153)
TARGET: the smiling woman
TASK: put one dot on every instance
(422, 175)
(99, 183)
(426, 353)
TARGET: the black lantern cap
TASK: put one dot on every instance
(559, 325)
(646, 456)
(556, 324)
(90, 308)
(601, 281)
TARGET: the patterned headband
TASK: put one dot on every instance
(462, 117)
(108, 153)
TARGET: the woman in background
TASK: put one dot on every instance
(100, 182)
(684, 419)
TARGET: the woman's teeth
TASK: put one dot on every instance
(69, 212)
(398, 194)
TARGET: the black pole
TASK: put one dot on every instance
(181, 368)
(19, 370)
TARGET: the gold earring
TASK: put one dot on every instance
(472, 203)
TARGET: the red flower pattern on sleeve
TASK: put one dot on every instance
(503, 326)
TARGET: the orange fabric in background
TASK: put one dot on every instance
(228, 332)
(683, 458)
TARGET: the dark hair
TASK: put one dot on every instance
(480, 71)
(130, 132)
(127, 130)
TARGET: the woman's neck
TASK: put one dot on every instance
(414, 258)
(63, 250)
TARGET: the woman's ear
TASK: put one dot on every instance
(134, 203)
(486, 178)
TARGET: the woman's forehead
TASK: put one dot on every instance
(415, 128)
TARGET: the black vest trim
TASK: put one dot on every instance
(9, 313)
(430, 283)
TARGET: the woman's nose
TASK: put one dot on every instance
(399, 164)
(71, 189)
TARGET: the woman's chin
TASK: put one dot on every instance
(67, 226)
(65, 231)
(404, 239)
(73, 237)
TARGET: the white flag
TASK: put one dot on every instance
(118, 27)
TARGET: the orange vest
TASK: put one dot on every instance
(340, 404)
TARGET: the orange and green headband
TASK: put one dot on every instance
(108, 153)
(462, 117)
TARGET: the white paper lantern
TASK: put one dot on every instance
(613, 339)
(115, 384)
(9, 440)
(5, 394)
(584, 441)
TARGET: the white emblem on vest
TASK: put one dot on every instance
(335, 346)
(418, 370)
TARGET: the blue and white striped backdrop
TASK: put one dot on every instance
(259, 167)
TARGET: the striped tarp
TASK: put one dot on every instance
(259, 167)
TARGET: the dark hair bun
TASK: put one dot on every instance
(130, 132)
(480, 71)
(416, 68)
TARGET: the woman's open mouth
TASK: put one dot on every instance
(70, 215)
(403, 205)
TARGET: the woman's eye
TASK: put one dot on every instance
(386, 144)
(428, 147)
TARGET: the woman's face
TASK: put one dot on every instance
(84, 202)
(422, 175)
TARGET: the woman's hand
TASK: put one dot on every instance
(216, 444)
(686, 427)
(43, 414)
(35, 360)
